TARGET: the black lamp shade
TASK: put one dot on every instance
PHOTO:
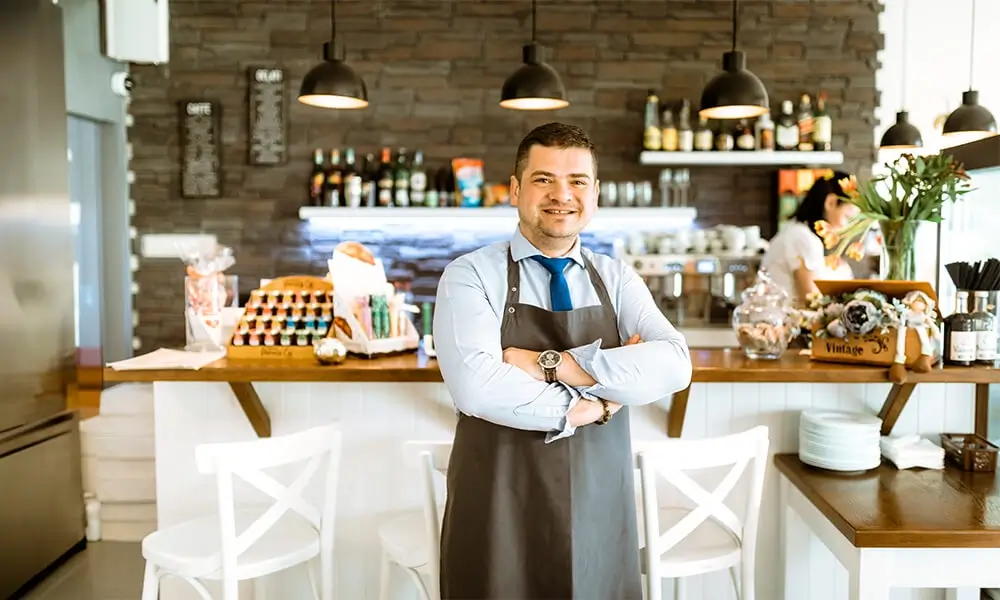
(333, 84)
(535, 85)
(902, 134)
(969, 122)
(736, 93)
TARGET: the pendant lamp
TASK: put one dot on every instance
(736, 93)
(903, 135)
(535, 85)
(970, 121)
(333, 84)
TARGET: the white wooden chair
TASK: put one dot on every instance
(237, 545)
(413, 540)
(709, 537)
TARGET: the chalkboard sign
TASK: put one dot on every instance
(201, 175)
(267, 116)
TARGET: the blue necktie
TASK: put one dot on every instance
(558, 288)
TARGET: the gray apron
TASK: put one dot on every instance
(526, 520)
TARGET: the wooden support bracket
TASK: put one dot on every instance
(894, 404)
(678, 410)
(982, 421)
(252, 407)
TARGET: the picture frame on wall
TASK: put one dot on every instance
(267, 108)
(201, 149)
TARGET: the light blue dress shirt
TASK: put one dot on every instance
(470, 303)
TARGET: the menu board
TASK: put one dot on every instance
(267, 107)
(200, 149)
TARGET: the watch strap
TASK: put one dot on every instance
(550, 375)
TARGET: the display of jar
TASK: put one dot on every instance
(764, 321)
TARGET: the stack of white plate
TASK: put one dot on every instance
(839, 440)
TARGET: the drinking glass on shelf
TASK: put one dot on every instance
(609, 194)
(207, 320)
(644, 194)
(626, 193)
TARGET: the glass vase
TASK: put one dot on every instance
(898, 251)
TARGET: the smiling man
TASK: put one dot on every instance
(543, 346)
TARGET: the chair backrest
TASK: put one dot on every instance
(672, 458)
(247, 460)
(431, 458)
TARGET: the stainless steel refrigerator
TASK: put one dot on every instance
(41, 504)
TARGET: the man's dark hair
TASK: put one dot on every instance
(553, 135)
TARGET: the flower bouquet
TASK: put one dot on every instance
(917, 188)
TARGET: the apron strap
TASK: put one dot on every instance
(599, 287)
(513, 290)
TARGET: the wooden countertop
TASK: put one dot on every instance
(890, 508)
(715, 365)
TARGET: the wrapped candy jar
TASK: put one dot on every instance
(765, 320)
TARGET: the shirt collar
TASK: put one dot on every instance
(521, 248)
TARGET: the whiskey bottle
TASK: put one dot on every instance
(317, 179)
(960, 334)
(385, 179)
(764, 133)
(744, 136)
(651, 133)
(822, 126)
(334, 180)
(786, 133)
(805, 119)
(724, 140)
(369, 181)
(986, 335)
(703, 137)
(418, 180)
(401, 180)
(353, 187)
(668, 136)
(685, 136)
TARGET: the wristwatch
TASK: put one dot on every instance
(607, 413)
(549, 361)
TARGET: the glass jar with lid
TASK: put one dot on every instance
(764, 321)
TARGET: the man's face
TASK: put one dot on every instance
(557, 193)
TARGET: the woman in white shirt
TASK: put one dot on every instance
(796, 257)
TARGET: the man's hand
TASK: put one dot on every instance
(526, 360)
(587, 411)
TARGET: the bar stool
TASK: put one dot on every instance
(237, 545)
(413, 540)
(709, 537)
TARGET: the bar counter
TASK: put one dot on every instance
(381, 403)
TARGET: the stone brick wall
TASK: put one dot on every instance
(434, 70)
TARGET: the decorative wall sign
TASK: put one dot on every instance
(267, 116)
(201, 154)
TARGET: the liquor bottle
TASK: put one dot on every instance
(446, 186)
(418, 180)
(805, 119)
(385, 179)
(401, 180)
(724, 140)
(822, 126)
(786, 133)
(764, 132)
(652, 136)
(353, 186)
(668, 135)
(745, 140)
(316, 179)
(986, 334)
(334, 180)
(703, 137)
(369, 181)
(960, 334)
(685, 136)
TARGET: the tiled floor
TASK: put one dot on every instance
(104, 571)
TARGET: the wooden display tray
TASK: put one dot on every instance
(295, 353)
(873, 349)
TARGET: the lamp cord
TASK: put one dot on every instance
(903, 75)
(972, 45)
(534, 19)
(736, 10)
(333, 24)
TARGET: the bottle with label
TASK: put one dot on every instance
(960, 334)
(744, 137)
(369, 181)
(764, 132)
(668, 137)
(986, 334)
(786, 133)
(401, 180)
(353, 186)
(685, 136)
(805, 119)
(446, 186)
(652, 136)
(724, 139)
(703, 138)
(334, 180)
(822, 126)
(385, 179)
(317, 179)
(418, 180)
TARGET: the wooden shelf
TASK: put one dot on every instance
(741, 159)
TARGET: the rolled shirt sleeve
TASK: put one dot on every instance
(640, 373)
(469, 354)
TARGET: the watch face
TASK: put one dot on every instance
(549, 359)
